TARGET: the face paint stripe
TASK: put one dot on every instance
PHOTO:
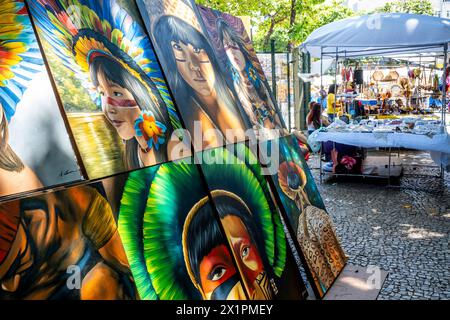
(222, 291)
(121, 103)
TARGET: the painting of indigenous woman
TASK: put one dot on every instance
(217, 244)
(307, 216)
(110, 83)
(35, 149)
(239, 62)
(63, 245)
(206, 102)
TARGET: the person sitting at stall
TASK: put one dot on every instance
(333, 106)
(314, 117)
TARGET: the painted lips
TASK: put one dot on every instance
(116, 123)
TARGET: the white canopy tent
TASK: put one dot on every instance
(388, 35)
(380, 34)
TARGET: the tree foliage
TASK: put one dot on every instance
(409, 6)
(290, 22)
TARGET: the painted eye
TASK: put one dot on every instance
(177, 47)
(118, 94)
(218, 273)
(245, 251)
(197, 50)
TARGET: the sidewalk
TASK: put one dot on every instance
(405, 231)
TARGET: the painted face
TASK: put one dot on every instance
(234, 53)
(119, 106)
(248, 258)
(195, 67)
(218, 276)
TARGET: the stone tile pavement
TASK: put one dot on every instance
(405, 230)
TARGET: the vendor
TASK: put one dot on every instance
(314, 119)
(322, 100)
(385, 102)
(333, 106)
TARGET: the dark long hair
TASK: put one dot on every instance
(170, 28)
(115, 73)
(9, 160)
(222, 29)
(204, 233)
(332, 89)
(315, 114)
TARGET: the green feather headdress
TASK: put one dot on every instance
(153, 212)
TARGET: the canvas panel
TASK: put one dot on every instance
(207, 102)
(240, 64)
(252, 223)
(298, 196)
(63, 245)
(110, 84)
(35, 149)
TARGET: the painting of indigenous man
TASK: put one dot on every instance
(174, 243)
(222, 242)
(110, 83)
(240, 64)
(63, 245)
(35, 149)
(209, 107)
(252, 223)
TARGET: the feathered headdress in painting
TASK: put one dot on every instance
(158, 206)
(82, 30)
(20, 57)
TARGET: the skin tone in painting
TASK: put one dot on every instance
(247, 93)
(196, 69)
(15, 181)
(215, 269)
(49, 241)
(246, 253)
(121, 110)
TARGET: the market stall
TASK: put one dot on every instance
(418, 41)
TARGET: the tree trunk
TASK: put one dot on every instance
(293, 13)
(292, 19)
(269, 34)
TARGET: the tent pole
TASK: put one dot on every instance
(335, 84)
(444, 96)
(321, 86)
(321, 106)
(289, 85)
(444, 81)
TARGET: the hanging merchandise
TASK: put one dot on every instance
(347, 74)
(358, 76)
(393, 75)
(377, 76)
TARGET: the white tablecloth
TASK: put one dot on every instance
(438, 145)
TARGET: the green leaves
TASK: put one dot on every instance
(292, 21)
(408, 6)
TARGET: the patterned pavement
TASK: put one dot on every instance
(405, 229)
